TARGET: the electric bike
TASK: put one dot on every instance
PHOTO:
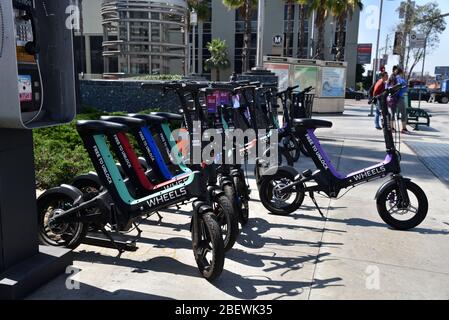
(64, 213)
(400, 203)
(191, 111)
(140, 129)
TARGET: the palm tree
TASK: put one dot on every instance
(302, 30)
(340, 10)
(322, 9)
(201, 7)
(246, 8)
(290, 17)
(219, 56)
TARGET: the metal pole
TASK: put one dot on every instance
(194, 50)
(260, 33)
(312, 37)
(375, 67)
(423, 66)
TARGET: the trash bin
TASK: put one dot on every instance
(408, 101)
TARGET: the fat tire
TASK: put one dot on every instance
(212, 272)
(418, 218)
(266, 188)
(232, 221)
(42, 204)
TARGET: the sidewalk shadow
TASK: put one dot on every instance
(235, 285)
(57, 290)
(174, 226)
(359, 222)
(170, 243)
(157, 264)
(246, 288)
(251, 236)
(272, 261)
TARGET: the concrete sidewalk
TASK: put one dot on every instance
(352, 255)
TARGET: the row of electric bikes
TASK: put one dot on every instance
(126, 188)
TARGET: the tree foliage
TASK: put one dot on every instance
(219, 59)
(341, 10)
(424, 19)
(246, 8)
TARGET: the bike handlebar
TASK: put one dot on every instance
(288, 90)
(392, 91)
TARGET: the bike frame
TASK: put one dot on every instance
(330, 181)
(164, 195)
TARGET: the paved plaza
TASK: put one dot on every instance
(351, 255)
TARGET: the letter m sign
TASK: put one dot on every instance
(277, 40)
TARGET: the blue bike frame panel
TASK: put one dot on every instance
(154, 152)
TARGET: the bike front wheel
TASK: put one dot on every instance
(242, 195)
(209, 252)
(227, 218)
(397, 213)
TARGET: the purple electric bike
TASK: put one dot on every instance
(400, 203)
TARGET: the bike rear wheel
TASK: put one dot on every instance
(275, 201)
(209, 252)
(68, 235)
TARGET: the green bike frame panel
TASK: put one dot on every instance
(119, 184)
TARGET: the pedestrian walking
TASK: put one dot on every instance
(401, 105)
(392, 99)
(379, 88)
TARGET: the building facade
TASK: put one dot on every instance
(222, 23)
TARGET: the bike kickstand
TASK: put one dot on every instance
(139, 232)
(114, 244)
(312, 196)
(159, 222)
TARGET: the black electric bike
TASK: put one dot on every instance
(400, 203)
(65, 213)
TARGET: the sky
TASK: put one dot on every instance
(368, 31)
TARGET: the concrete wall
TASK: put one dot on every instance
(223, 27)
(125, 96)
(92, 17)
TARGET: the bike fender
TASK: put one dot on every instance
(199, 208)
(66, 189)
(273, 170)
(387, 185)
(226, 180)
(215, 191)
(92, 176)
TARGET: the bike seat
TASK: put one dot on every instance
(168, 116)
(149, 119)
(100, 127)
(311, 123)
(128, 121)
